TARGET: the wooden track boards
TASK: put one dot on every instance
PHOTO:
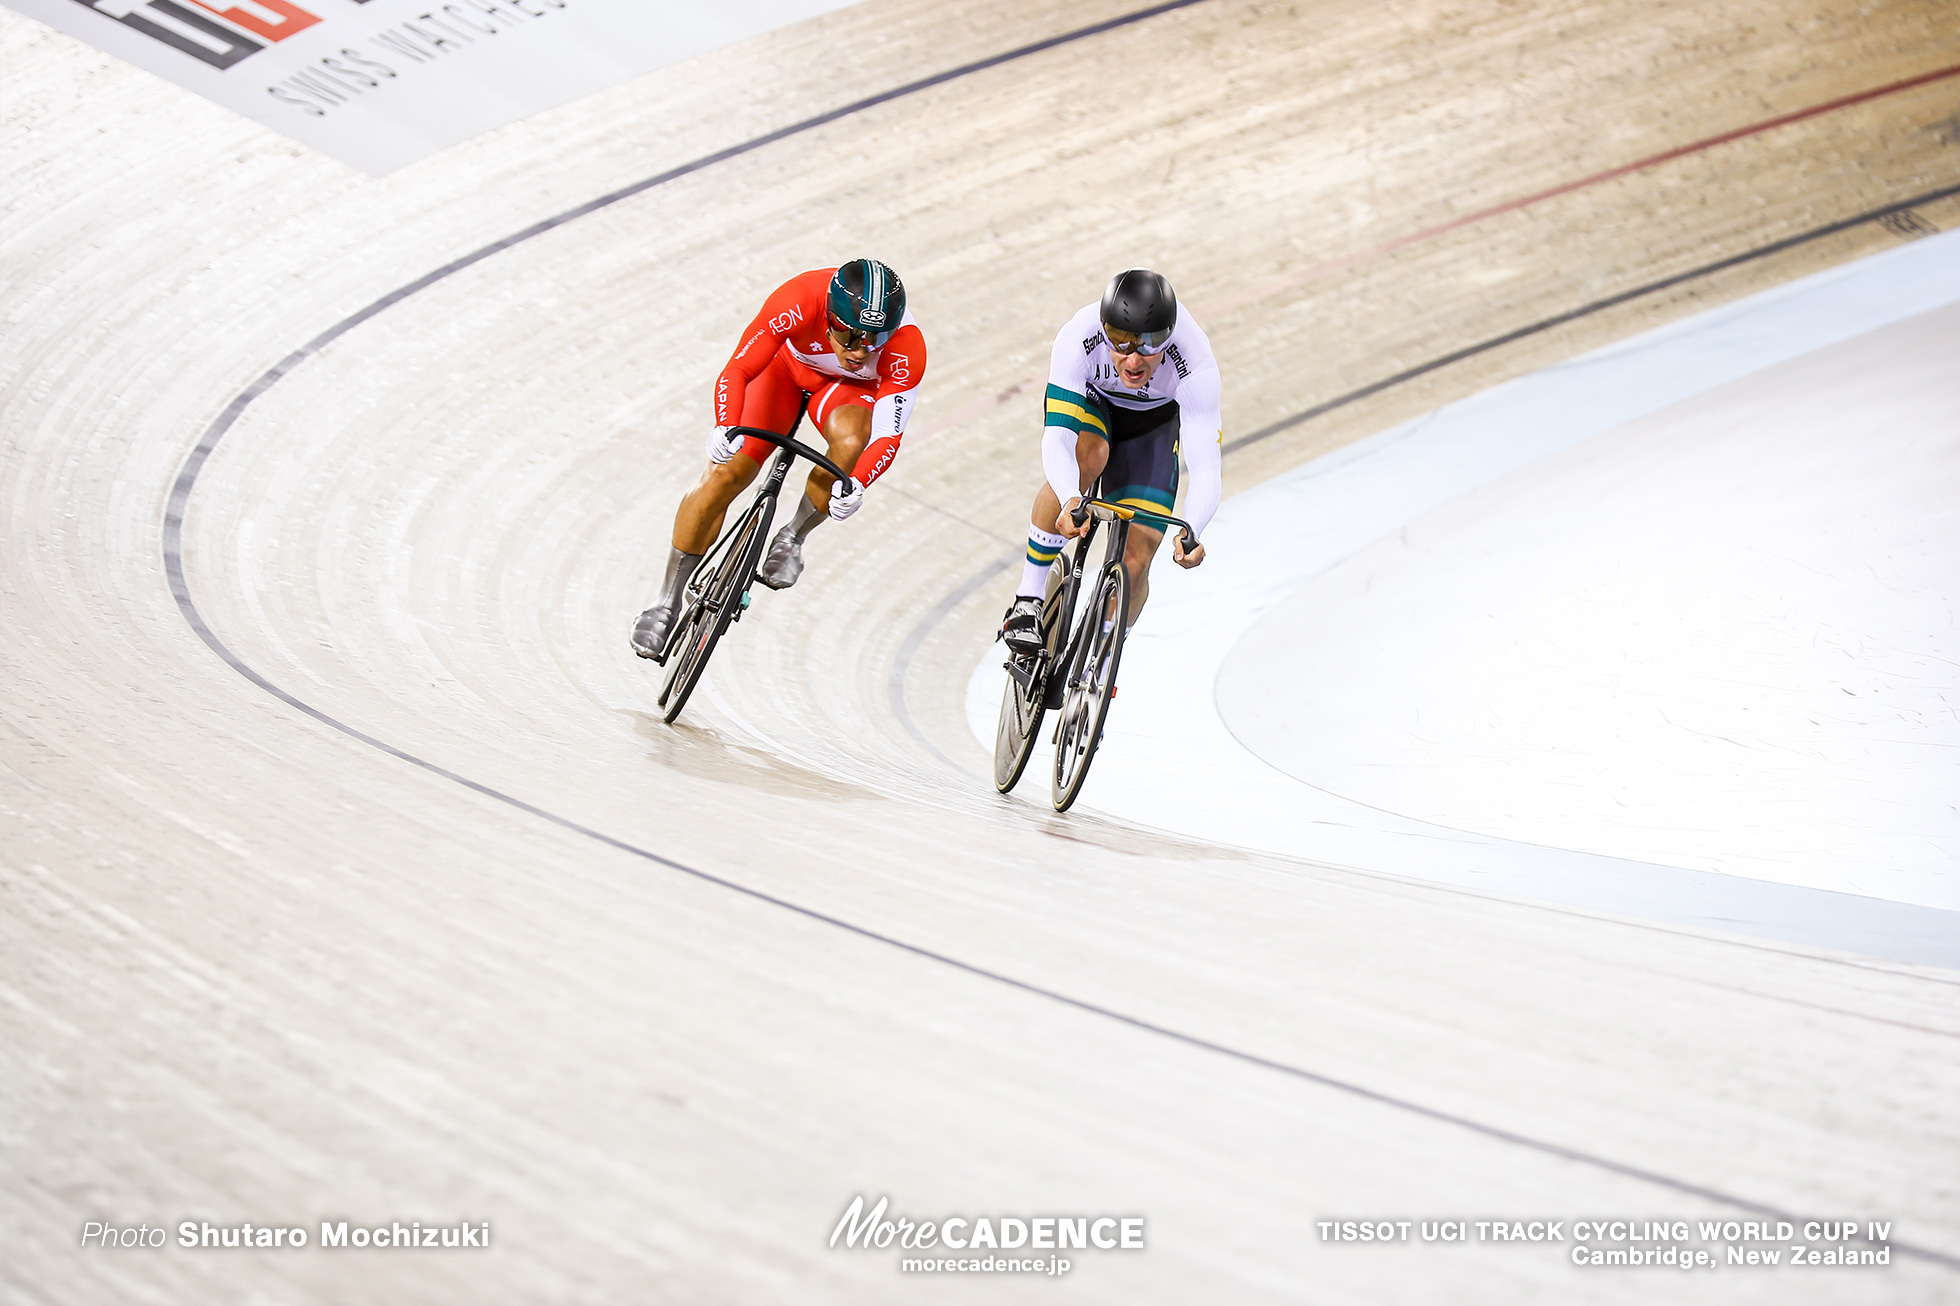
(256, 969)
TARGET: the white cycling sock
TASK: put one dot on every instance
(1043, 548)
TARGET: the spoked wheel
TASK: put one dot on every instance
(714, 605)
(1091, 682)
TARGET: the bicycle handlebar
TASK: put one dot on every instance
(1111, 511)
(796, 447)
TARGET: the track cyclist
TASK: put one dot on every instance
(1129, 379)
(837, 343)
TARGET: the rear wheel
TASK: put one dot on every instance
(1023, 699)
(1020, 718)
(1091, 682)
(714, 605)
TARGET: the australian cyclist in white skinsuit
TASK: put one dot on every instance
(1130, 381)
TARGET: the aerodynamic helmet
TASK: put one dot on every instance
(1138, 311)
(866, 300)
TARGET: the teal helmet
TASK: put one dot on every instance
(866, 299)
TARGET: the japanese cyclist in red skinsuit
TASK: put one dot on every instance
(836, 343)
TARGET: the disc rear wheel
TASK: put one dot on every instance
(1020, 719)
(1023, 699)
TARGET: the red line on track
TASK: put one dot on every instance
(1509, 206)
(988, 402)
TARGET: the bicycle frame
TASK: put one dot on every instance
(766, 497)
(1045, 680)
(792, 449)
(719, 591)
(1095, 510)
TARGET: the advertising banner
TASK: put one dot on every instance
(380, 83)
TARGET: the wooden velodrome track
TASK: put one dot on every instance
(658, 1002)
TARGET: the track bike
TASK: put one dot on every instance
(719, 592)
(1074, 673)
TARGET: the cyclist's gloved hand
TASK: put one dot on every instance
(722, 446)
(843, 505)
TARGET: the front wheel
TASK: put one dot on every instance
(1091, 682)
(714, 606)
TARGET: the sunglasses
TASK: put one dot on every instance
(1137, 342)
(851, 338)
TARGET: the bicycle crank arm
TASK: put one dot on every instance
(1026, 672)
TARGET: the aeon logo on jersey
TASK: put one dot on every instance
(219, 44)
(899, 366)
(782, 322)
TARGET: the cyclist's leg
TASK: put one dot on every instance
(1091, 453)
(770, 402)
(1090, 422)
(1044, 541)
(698, 520)
(1021, 627)
(1136, 560)
(1142, 473)
(842, 411)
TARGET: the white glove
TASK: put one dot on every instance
(722, 446)
(843, 505)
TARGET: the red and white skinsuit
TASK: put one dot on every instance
(786, 354)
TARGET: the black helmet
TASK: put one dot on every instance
(1138, 311)
(867, 297)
